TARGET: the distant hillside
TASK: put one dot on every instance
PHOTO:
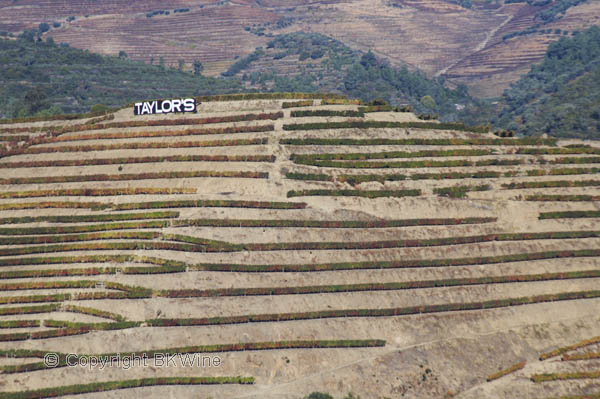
(561, 95)
(483, 44)
(314, 62)
(42, 77)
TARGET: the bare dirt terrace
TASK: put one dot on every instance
(307, 249)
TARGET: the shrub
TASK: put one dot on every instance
(319, 395)
(100, 109)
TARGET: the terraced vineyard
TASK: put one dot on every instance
(295, 245)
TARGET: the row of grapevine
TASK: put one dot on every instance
(326, 112)
(139, 205)
(411, 164)
(569, 214)
(296, 104)
(341, 101)
(96, 192)
(170, 122)
(405, 285)
(581, 356)
(162, 133)
(19, 323)
(133, 176)
(382, 124)
(559, 151)
(145, 145)
(332, 224)
(354, 193)
(386, 108)
(558, 197)
(141, 292)
(131, 160)
(271, 96)
(551, 184)
(564, 349)
(123, 384)
(215, 348)
(459, 191)
(506, 371)
(307, 158)
(65, 117)
(485, 174)
(162, 265)
(91, 218)
(382, 312)
(565, 376)
(527, 141)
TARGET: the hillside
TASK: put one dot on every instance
(483, 44)
(313, 62)
(44, 77)
(561, 95)
(300, 243)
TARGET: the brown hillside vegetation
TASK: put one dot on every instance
(465, 45)
(410, 259)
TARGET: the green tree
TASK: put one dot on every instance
(35, 100)
(368, 60)
(180, 64)
(198, 67)
(43, 27)
(122, 54)
(319, 395)
(428, 102)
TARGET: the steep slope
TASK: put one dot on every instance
(307, 244)
(560, 96)
(313, 62)
(44, 77)
(485, 46)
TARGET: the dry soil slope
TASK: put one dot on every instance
(166, 262)
(436, 36)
